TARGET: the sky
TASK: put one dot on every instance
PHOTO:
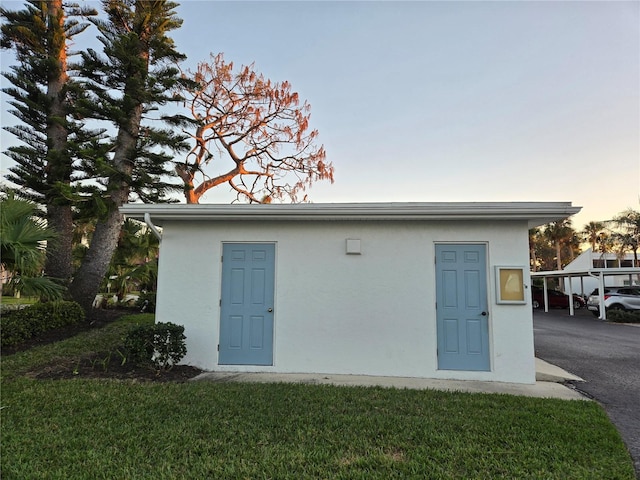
(428, 101)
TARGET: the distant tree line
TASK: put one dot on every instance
(555, 245)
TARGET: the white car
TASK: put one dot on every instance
(615, 298)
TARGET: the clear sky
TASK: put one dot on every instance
(450, 101)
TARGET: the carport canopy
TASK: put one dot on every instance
(598, 273)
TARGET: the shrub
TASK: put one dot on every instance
(161, 345)
(623, 316)
(6, 308)
(138, 344)
(146, 302)
(20, 325)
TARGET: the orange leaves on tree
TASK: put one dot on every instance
(251, 134)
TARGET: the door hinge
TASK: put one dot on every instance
(218, 347)
(221, 258)
(220, 303)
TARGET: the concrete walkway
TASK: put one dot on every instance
(548, 384)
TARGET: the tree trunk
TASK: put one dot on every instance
(534, 259)
(58, 169)
(187, 176)
(59, 264)
(190, 195)
(86, 283)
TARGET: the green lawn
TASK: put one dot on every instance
(103, 429)
(9, 300)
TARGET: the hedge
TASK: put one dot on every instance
(623, 316)
(20, 325)
(161, 345)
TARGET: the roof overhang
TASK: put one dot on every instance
(534, 213)
(591, 272)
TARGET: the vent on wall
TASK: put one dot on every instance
(353, 246)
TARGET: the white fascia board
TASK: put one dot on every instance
(588, 272)
(535, 213)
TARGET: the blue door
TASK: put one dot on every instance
(462, 313)
(246, 308)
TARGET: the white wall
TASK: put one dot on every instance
(371, 314)
(587, 284)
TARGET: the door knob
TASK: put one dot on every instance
(484, 314)
(269, 310)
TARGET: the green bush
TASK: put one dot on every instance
(138, 344)
(623, 316)
(146, 302)
(20, 325)
(161, 345)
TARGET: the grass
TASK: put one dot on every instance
(10, 300)
(95, 429)
(99, 340)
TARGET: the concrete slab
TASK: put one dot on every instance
(543, 388)
(546, 372)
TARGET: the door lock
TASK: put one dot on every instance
(269, 310)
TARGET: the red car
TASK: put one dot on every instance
(557, 299)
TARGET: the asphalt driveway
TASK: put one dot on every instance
(606, 355)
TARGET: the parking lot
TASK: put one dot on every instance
(606, 355)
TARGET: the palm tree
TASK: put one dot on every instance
(560, 234)
(592, 233)
(23, 239)
(536, 244)
(624, 243)
(134, 262)
(629, 221)
(573, 245)
(541, 252)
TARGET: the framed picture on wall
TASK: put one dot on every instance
(510, 285)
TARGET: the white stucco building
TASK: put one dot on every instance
(590, 260)
(433, 290)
